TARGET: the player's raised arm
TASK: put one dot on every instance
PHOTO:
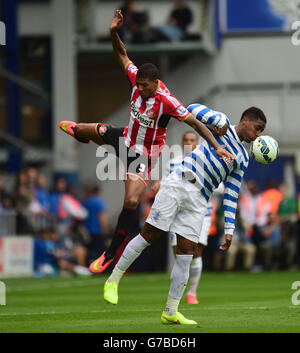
(118, 45)
(208, 136)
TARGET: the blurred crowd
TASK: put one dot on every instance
(267, 233)
(138, 30)
(70, 230)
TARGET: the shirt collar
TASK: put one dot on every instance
(235, 134)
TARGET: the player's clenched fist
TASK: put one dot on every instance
(225, 246)
(117, 21)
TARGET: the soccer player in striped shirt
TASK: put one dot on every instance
(190, 140)
(151, 108)
(181, 203)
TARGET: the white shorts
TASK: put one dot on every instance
(203, 233)
(179, 207)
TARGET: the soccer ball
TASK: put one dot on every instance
(264, 149)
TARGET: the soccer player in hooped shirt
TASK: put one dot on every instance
(181, 204)
(152, 106)
(190, 140)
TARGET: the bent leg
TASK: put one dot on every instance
(128, 221)
(133, 250)
(134, 188)
(88, 131)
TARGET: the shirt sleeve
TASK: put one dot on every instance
(176, 109)
(131, 71)
(231, 195)
(207, 116)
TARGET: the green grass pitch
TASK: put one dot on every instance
(229, 302)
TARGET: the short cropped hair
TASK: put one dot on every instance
(190, 132)
(254, 113)
(149, 71)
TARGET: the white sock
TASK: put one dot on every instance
(132, 251)
(116, 275)
(171, 306)
(179, 278)
(195, 274)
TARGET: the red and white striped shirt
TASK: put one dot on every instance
(147, 128)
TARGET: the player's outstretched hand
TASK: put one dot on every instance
(117, 21)
(225, 246)
(223, 154)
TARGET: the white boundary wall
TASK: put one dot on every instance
(16, 256)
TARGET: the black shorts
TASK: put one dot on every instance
(135, 164)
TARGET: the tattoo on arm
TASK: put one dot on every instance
(118, 45)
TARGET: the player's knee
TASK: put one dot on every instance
(185, 246)
(185, 249)
(131, 202)
(198, 250)
(150, 233)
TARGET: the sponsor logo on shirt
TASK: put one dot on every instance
(133, 69)
(182, 111)
(150, 113)
(143, 119)
(156, 215)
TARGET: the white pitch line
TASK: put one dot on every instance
(139, 310)
(54, 285)
(41, 286)
(71, 312)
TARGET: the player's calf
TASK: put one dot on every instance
(87, 131)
